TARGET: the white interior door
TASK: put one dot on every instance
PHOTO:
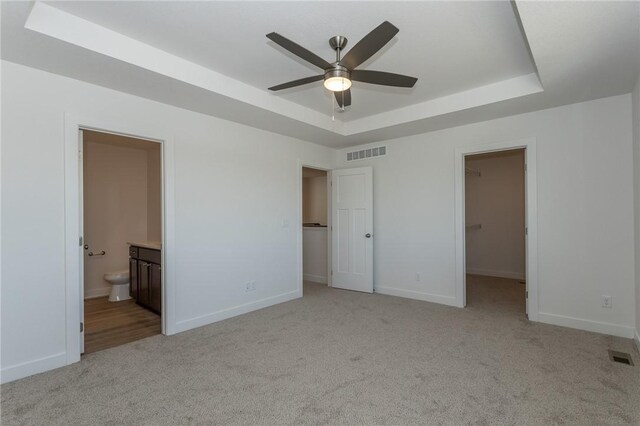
(352, 229)
(82, 242)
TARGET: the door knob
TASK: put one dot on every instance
(367, 235)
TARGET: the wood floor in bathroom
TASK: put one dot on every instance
(108, 324)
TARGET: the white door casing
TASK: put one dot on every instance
(81, 230)
(352, 229)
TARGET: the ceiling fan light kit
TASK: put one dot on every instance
(339, 75)
(337, 79)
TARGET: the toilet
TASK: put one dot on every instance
(119, 281)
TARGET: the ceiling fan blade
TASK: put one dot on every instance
(383, 78)
(298, 50)
(295, 83)
(343, 98)
(369, 45)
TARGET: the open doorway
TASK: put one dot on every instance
(495, 231)
(121, 269)
(315, 236)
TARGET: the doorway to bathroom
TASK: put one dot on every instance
(121, 227)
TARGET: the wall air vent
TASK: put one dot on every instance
(365, 154)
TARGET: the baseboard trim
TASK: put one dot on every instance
(587, 325)
(224, 314)
(500, 274)
(315, 278)
(636, 338)
(417, 295)
(95, 293)
(29, 368)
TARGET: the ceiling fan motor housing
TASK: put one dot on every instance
(337, 70)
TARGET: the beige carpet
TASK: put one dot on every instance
(338, 357)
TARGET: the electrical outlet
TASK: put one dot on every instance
(606, 301)
(417, 276)
(249, 286)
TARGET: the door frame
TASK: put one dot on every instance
(531, 218)
(73, 124)
(326, 168)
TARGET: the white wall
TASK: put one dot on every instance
(314, 196)
(495, 200)
(115, 208)
(228, 230)
(585, 211)
(636, 180)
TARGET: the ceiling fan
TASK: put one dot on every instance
(338, 75)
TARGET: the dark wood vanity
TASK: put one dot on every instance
(145, 272)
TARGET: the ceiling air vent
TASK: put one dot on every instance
(364, 154)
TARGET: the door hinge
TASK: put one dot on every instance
(526, 230)
(81, 327)
(332, 272)
(80, 241)
(526, 294)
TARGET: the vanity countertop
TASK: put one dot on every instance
(154, 245)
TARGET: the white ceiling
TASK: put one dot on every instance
(472, 59)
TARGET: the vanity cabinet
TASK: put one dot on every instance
(145, 272)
